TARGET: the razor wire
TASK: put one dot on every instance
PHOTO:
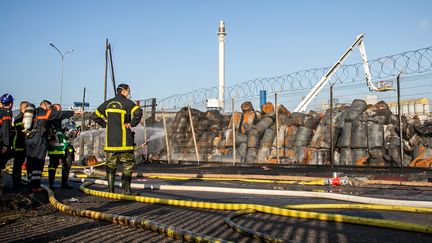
(410, 62)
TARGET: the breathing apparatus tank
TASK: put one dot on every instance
(69, 128)
(28, 117)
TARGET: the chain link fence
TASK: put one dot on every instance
(298, 83)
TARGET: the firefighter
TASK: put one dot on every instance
(59, 149)
(37, 142)
(18, 145)
(6, 101)
(118, 115)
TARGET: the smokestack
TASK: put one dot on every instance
(221, 36)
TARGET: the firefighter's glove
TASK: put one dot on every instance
(4, 149)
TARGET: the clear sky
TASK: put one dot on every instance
(165, 47)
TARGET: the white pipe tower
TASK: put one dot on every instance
(221, 36)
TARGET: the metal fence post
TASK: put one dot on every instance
(234, 131)
(331, 127)
(166, 137)
(400, 120)
(277, 129)
(193, 134)
(145, 129)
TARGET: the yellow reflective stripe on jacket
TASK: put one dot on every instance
(124, 148)
(134, 109)
(99, 114)
(56, 152)
(106, 135)
(123, 131)
(17, 124)
(115, 111)
(14, 143)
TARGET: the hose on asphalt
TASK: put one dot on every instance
(392, 224)
(154, 226)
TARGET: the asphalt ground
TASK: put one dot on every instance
(38, 221)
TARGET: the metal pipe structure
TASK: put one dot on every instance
(331, 127)
(112, 67)
(62, 55)
(277, 128)
(400, 120)
(166, 137)
(193, 134)
(106, 70)
(221, 37)
(233, 131)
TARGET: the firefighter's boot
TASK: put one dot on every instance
(51, 178)
(65, 178)
(111, 180)
(126, 184)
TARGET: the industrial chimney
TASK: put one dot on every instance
(221, 36)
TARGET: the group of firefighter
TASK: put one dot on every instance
(35, 132)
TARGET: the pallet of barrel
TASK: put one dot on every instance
(240, 138)
(305, 125)
(267, 129)
(254, 138)
(256, 132)
(353, 139)
(319, 152)
(266, 144)
(284, 118)
(378, 116)
(177, 134)
(278, 144)
(289, 139)
(234, 125)
(421, 141)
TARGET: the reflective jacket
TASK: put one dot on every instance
(5, 127)
(18, 136)
(59, 142)
(37, 145)
(113, 114)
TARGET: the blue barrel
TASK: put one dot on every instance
(263, 97)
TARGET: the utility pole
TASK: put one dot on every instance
(62, 55)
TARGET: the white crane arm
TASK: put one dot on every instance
(325, 79)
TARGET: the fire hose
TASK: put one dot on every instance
(305, 194)
(289, 211)
(154, 226)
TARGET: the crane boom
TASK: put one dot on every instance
(325, 79)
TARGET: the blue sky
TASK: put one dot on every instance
(165, 47)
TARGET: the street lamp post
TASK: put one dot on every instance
(62, 55)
